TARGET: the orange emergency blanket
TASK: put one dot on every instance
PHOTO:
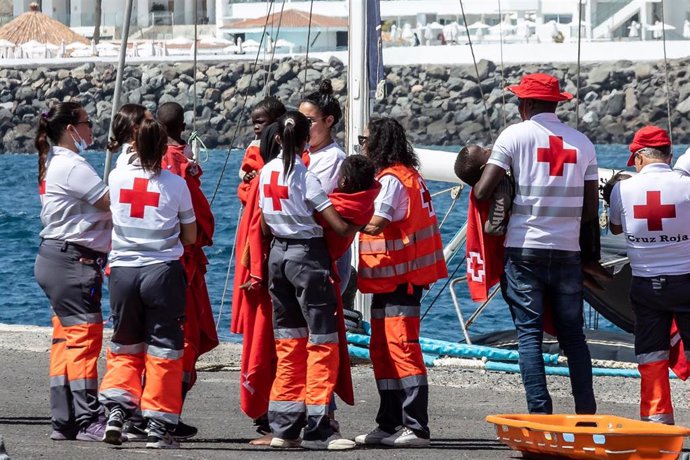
(200, 327)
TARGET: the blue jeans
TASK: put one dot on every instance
(532, 278)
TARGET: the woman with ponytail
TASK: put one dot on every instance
(302, 293)
(74, 242)
(153, 218)
(124, 127)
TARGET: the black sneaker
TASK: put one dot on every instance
(160, 437)
(135, 432)
(113, 428)
(183, 431)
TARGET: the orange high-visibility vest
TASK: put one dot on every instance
(408, 251)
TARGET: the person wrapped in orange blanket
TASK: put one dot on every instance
(267, 111)
(200, 334)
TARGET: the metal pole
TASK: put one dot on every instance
(118, 83)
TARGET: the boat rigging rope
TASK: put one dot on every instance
(227, 157)
(503, 81)
(227, 275)
(445, 285)
(194, 65)
(242, 112)
(668, 92)
(579, 48)
(273, 49)
(476, 70)
(306, 57)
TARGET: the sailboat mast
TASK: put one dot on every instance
(357, 79)
(118, 83)
(358, 105)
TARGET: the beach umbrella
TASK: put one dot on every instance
(180, 41)
(505, 27)
(479, 25)
(38, 27)
(216, 42)
(659, 26)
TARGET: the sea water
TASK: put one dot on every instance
(23, 302)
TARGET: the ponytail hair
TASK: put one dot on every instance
(51, 126)
(293, 133)
(325, 101)
(152, 142)
(123, 125)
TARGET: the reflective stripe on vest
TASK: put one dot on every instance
(407, 251)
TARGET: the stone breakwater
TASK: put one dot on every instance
(439, 105)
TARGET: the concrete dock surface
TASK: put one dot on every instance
(459, 401)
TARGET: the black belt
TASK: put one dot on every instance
(83, 250)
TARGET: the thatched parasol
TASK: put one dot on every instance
(34, 25)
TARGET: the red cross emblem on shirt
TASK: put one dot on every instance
(475, 267)
(654, 211)
(556, 156)
(139, 198)
(275, 192)
(426, 197)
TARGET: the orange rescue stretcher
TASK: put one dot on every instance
(588, 436)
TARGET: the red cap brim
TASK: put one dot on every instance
(523, 93)
(631, 160)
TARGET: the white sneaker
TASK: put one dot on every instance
(281, 443)
(373, 437)
(405, 437)
(334, 442)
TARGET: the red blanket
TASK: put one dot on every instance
(252, 312)
(252, 161)
(484, 253)
(356, 208)
(198, 309)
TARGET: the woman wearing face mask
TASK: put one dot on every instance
(74, 241)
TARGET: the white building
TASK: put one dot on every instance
(601, 18)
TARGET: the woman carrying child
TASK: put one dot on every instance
(302, 293)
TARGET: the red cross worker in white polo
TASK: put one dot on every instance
(652, 209)
(553, 212)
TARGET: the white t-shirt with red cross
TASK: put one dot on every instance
(68, 194)
(288, 203)
(147, 212)
(550, 162)
(654, 209)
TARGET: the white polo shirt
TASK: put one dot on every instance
(550, 162)
(654, 209)
(288, 203)
(325, 164)
(393, 200)
(126, 154)
(147, 212)
(682, 164)
(72, 187)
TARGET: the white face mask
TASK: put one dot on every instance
(80, 144)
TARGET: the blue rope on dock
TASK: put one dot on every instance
(493, 359)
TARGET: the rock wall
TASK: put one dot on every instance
(438, 105)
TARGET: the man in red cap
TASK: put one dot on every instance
(555, 172)
(653, 210)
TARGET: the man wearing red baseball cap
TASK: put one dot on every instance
(556, 177)
(652, 208)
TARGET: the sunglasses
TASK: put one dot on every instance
(361, 140)
(87, 122)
